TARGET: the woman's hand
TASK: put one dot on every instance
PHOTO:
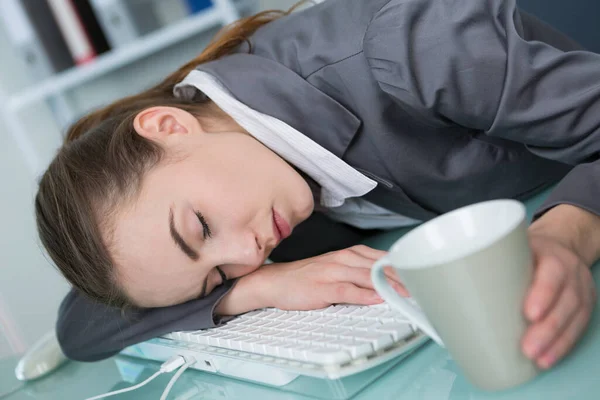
(342, 276)
(561, 298)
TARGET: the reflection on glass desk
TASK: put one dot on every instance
(427, 374)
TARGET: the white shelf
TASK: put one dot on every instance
(221, 13)
(144, 46)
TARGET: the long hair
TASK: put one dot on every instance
(101, 165)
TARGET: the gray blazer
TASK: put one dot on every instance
(443, 103)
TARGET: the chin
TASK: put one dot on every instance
(308, 210)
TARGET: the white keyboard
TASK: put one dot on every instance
(330, 343)
(335, 335)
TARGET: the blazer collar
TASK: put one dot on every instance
(273, 89)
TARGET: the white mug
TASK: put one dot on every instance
(469, 271)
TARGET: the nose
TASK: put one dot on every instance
(246, 248)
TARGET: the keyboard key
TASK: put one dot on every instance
(250, 330)
(284, 316)
(359, 312)
(344, 311)
(225, 341)
(345, 333)
(248, 344)
(281, 335)
(356, 349)
(310, 319)
(319, 312)
(273, 325)
(307, 328)
(399, 331)
(325, 356)
(374, 313)
(291, 326)
(332, 310)
(349, 323)
(265, 332)
(271, 349)
(285, 349)
(200, 339)
(328, 331)
(322, 331)
(235, 342)
(333, 321)
(322, 321)
(260, 346)
(366, 325)
(303, 339)
(324, 341)
(297, 318)
(299, 352)
(377, 340)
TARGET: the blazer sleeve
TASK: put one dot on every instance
(485, 65)
(90, 331)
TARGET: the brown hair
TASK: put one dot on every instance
(101, 165)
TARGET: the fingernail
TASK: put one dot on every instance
(534, 312)
(377, 297)
(532, 349)
(547, 361)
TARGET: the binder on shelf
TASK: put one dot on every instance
(170, 11)
(116, 21)
(73, 31)
(48, 32)
(198, 5)
(91, 25)
(24, 39)
(143, 15)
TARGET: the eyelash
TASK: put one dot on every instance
(205, 227)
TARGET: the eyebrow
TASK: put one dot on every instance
(186, 248)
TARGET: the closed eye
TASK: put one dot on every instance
(206, 232)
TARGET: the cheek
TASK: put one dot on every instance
(236, 271)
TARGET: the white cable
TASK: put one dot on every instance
(168, 366)
(191, 361)
(12, 391)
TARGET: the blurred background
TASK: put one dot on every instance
(49, 75)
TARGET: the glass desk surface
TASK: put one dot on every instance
(427, 374)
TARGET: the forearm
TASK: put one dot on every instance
(576, 227)
(248, 294)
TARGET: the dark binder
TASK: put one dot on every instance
(49, 34)
(91, 25)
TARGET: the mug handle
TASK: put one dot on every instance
(398, 302)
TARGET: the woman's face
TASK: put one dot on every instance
(219, 199)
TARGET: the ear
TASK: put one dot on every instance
(158, 123)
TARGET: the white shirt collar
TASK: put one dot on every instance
(337, 179)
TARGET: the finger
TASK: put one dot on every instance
(349, 293)
(566, 341)
(368, 252)
(352, 258)
(541, 335)
(360, 277)
(374, 255)
(390, 273)
(549, 279)
(588, 287)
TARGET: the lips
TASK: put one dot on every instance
(281, 227)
